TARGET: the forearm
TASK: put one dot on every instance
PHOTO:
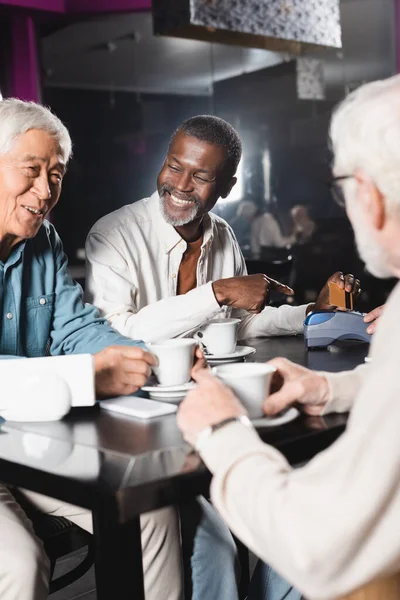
(169, 318)
(343, 388)
(285, 320)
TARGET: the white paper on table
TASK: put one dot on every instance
(140, 408)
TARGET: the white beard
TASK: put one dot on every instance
(375, 258)
(171, 220)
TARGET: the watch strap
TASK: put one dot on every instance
(208, 431)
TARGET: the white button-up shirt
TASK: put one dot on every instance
(133, 258)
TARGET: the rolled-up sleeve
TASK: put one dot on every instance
(284, 320)
(111, 289)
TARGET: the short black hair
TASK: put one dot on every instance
(214, 130)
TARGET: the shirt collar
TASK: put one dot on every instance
(168, 234)
(15, 254)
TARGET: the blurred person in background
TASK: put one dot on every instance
(266, 232)
(242, 222)
(303, 225)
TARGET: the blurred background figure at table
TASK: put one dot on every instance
(303, 225)
(242, 222)
(267, 233)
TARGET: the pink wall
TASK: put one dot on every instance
(397, 17)
(83, 6)
(24, 65)
(107, 5)
(24, 73)
(46, 5)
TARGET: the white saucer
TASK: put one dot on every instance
(289, 415)
(168, 393)
(240, 353)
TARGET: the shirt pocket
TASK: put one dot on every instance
(39, 317)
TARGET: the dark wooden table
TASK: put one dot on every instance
(119, 467)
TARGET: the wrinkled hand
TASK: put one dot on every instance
(373, 318)
(296, 385)
(209, 403)
(345, 282)
(121, 370)
(250, 292)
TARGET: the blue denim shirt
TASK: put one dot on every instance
(42, 311)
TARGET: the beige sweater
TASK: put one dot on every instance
(334, 524)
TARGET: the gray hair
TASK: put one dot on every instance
(214, 130)
(365, 135)
(17, 117)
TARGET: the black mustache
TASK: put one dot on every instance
(166, 188)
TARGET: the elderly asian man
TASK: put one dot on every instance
(43, 313)
(332, 525)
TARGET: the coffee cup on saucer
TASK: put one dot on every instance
(175, 360)
(250, 382)
(218, 335)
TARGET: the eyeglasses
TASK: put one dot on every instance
(337, 190)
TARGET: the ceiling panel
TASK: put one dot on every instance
(120, 52)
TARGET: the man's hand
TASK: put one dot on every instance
(298, 385)
(345, 282)
(199, 361)
(372, 317)
(250, 292)
(209, 403)
(121, 370)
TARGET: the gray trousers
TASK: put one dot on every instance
(24, 566)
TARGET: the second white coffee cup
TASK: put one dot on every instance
(250, 382)
(218, 335)
(175, 360)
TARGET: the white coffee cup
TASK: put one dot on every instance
(218, 335)
(250, 382)
(175, 360)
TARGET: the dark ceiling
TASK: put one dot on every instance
(120, 52)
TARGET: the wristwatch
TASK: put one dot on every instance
(208, 431)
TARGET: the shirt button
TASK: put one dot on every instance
(9, 315)
(173, 275)
(42, 301)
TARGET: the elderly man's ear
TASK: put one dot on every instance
(228, 187)
(371, 200)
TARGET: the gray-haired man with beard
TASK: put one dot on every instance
(160, 267)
